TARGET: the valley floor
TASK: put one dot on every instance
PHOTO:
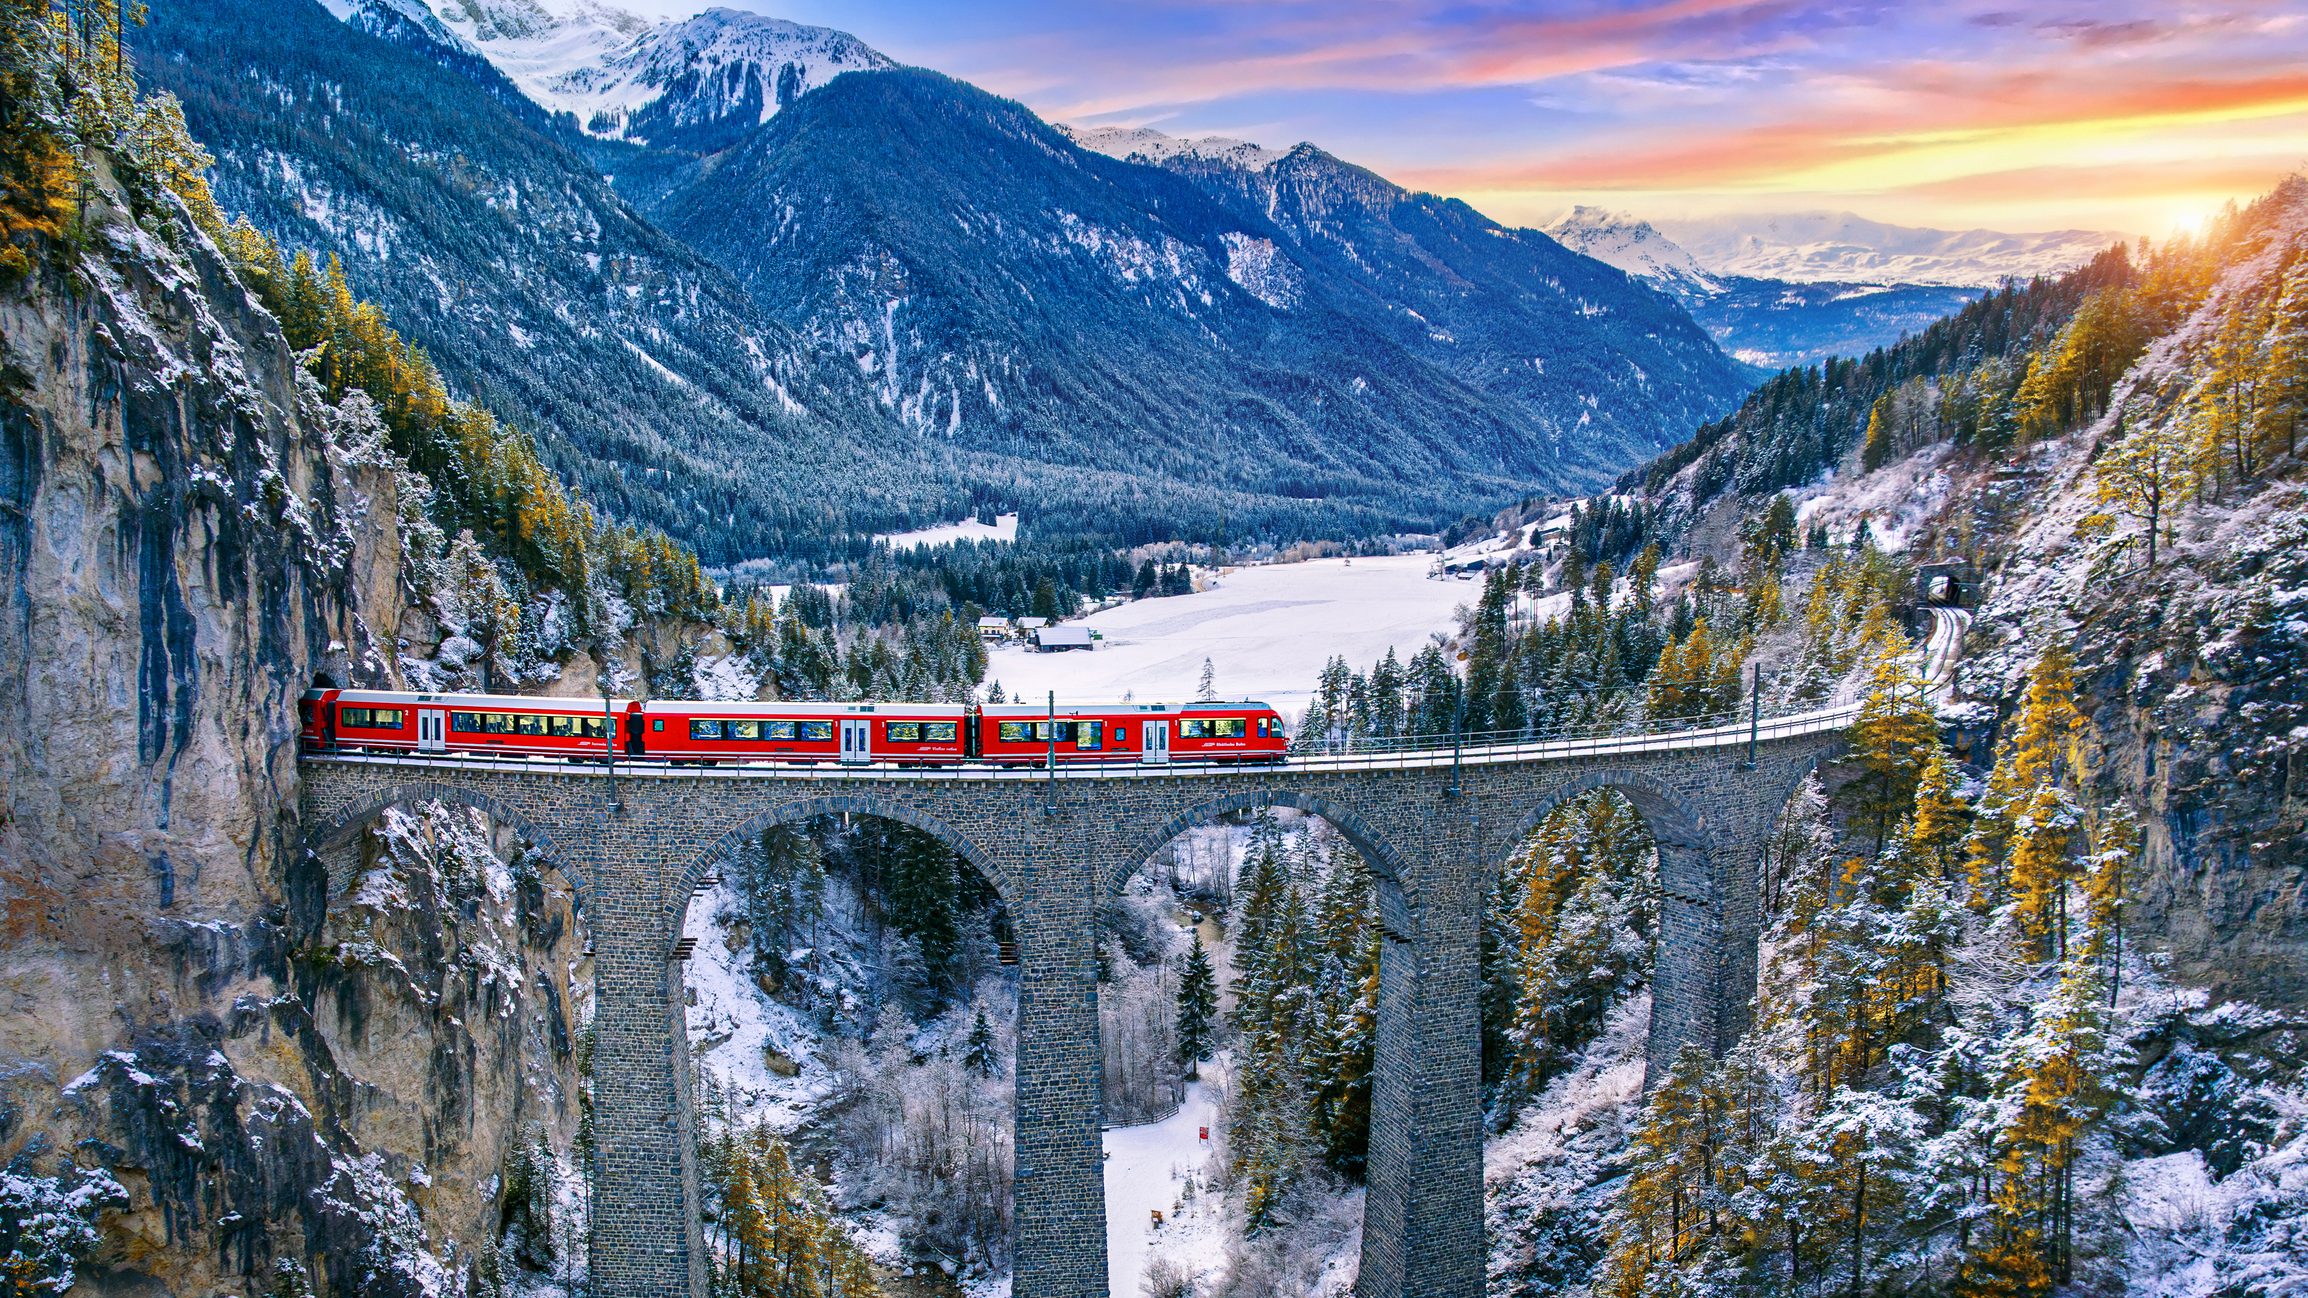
(1148, 1170)
(1267, 632)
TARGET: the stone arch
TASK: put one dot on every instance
(341, 828)
(1385, 861)
(1697, 924)
(726, 846)
(1802, 770)
(1662, 806)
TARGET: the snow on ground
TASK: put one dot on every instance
(1893, 499)
(734, 1025)
(1267, 631)
(1146, 1171)
(1003, 528)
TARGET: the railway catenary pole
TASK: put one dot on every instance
(609, 734)
(1754, 714)
(1050, 803)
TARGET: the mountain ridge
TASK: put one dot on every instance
(1843, 246)
(949, 223)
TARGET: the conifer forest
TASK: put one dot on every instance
(539, 348)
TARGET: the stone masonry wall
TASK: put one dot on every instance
(1053, 849)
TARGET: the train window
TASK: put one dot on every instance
(817, 730)
(1017, 732)
(465, 722)
(745, 730)
(1121, 734)
(778, 730)
(528, 724)
(1231, 727)
(1194, 728)
(497, 723)
(370, 718)
(937, 732)
(561, 725)
(1087, 735)
(594, 727)
(902, 732)
(657, 723)
(1262, 727)
(305, 712)
(701, 728)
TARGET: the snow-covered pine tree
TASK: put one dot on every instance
(1892, 738)
(1197, 1007)
(980, 1056)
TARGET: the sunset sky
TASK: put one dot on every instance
(2128, 115)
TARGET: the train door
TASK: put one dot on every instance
(856, 739)
(431, 723)
(1156, 732)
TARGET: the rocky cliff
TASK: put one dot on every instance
(216, 1076)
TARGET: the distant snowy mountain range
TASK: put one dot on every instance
(1795, 289)
(1806, 247)
(1815, 247)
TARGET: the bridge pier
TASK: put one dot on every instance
(1059, 1194)
(1422, 1225)
(647, 1235)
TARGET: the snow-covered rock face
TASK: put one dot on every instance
(627, 78)
(1262, 270)
(1634, 246)
(1147, 145)
(1811, 246)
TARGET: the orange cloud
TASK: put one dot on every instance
(2006, 116)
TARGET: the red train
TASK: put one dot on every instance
(681, 732)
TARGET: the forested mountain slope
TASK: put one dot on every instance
(645, 374)
(1597, 365)
(2033, 956)
(1009, 291)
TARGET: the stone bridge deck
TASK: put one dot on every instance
(1433, 826)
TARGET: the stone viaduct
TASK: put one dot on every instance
(1432, 825)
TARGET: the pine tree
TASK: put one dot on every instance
(2041, 867)
(2107, 887)
(2142, 474)
(1197, 1006)
(1877, 448)
(1893, 737)
(2041, 746)
(1941, 817)
(981, 1057)
(1207, 689)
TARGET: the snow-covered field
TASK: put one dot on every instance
(1146, 1171)
(1266, 630)
(1003, 528)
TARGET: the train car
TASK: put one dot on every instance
(712, 733)
(1219, 732)
(912, 733)
(1021, 734)
(386, 721)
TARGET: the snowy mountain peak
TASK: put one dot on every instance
(693, 82)
(1634, 246)
(1145, 144)
(1807, 247)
